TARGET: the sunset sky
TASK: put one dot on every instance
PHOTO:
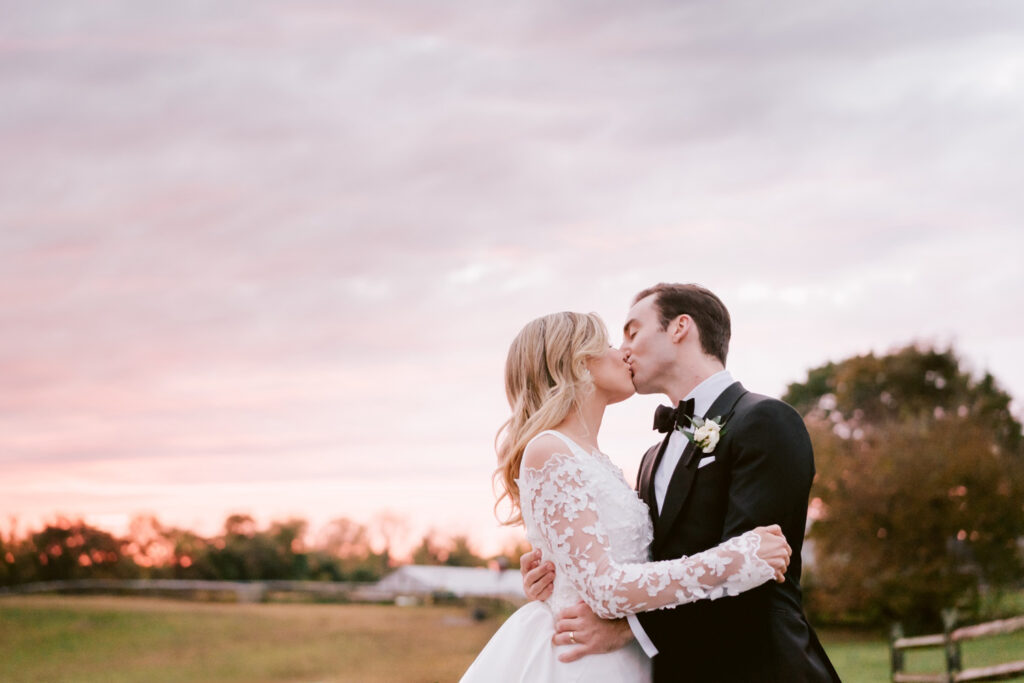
(267, 257)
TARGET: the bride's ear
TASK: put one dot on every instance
(583, 369)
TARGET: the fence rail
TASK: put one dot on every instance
(244, 591)
(950, 640)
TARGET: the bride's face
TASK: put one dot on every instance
(612, 378)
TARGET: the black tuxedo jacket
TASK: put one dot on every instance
(761, 475)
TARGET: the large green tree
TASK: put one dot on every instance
(919, 498)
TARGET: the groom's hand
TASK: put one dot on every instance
(578, 625)
(538, 577)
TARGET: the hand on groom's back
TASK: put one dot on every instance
(578, 625)
(538, 577)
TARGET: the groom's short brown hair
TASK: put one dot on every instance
(706, 309)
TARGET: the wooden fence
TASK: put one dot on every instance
(244, 591)
(950, 640)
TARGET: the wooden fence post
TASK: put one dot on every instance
(952, 646)
(895, 653)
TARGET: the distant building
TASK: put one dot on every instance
(462, 582)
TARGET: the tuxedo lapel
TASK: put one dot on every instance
(646, 482)
(683, 476)
(678, 490)
(723, 405)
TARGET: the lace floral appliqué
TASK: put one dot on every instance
(592, 526)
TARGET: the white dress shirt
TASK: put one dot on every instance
(703, 395)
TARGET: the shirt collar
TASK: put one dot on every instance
(705, 393)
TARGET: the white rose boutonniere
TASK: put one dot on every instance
(706, 433)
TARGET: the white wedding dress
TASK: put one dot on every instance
(584, 516)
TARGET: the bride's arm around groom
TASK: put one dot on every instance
(561, 500)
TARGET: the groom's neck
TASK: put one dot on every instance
(691, 374)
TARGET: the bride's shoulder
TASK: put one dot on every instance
(544, 449)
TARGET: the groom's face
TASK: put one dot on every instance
(649, 349)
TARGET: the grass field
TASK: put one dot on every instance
(115, 639)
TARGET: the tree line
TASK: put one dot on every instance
(66, 549)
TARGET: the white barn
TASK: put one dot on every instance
(458, 581)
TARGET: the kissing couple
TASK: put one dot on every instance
(694, 576)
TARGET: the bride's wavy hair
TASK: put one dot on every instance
(545, 376)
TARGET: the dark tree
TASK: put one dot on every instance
(71, 549)
(919, 496)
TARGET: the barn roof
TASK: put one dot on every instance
(459, 581)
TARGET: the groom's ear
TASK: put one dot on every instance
(680, 327)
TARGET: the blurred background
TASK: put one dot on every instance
(262, 261)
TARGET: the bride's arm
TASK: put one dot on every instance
(557, 498)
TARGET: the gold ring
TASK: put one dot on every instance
(572, 637)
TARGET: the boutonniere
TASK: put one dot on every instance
(706, 432)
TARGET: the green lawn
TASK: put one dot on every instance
(858, 657)
(114, 639)
(863, 658)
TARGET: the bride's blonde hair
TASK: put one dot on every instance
(545, 376)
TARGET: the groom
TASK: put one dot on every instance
(676, 339)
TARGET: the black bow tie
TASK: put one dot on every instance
(666, 418)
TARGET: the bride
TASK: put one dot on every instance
(577, 507)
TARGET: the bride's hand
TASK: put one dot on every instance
(774, 549)
(538, 577)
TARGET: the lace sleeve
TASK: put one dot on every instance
(567, 516)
